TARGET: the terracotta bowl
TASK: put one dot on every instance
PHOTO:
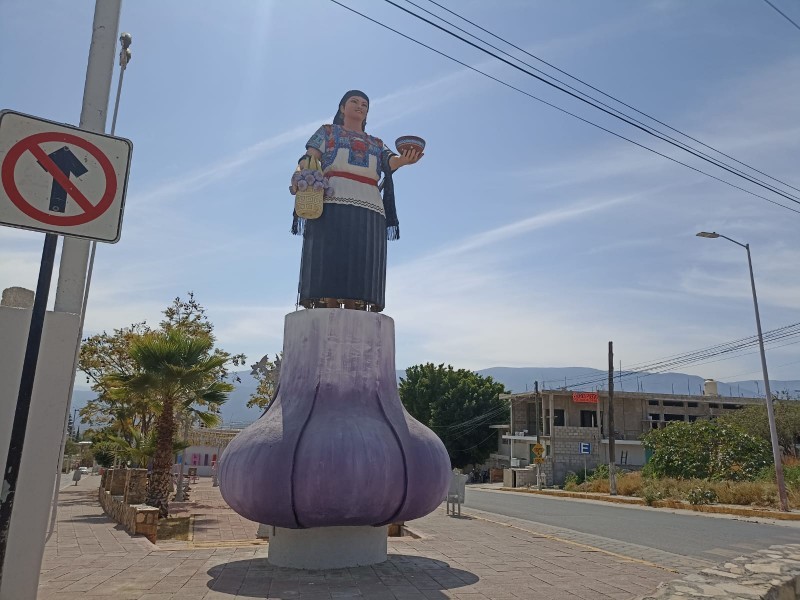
(409, 142)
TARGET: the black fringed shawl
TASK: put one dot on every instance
(389, 207)
(392, 223)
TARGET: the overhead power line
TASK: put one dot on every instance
(588, 85)
(556, 107)
(611, 112)
(783, 14)
(694, 357)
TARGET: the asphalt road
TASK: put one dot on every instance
(707, 537)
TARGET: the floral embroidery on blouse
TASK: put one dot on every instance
(329, 139)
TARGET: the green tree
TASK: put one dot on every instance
(705, 450)
(179, 371)
(753, 420)
(105, 354)
(459, 406)
(127, 414)
(267, 373)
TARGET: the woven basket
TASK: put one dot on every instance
(308, 204)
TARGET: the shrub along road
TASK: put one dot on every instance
(708, 538)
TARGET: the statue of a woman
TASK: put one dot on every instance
(344, 251)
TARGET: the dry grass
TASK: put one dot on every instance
(746, 493)
(742, 493)
(761, 493)
(174, 528)
(629, 484)
(599, 486)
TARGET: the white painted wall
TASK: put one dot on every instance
(39, 470)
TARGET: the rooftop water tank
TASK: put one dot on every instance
(710, 388)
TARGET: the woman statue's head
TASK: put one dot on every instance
(354, 103)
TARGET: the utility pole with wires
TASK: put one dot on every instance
(124, 58)
(612, 451)
(22, 542)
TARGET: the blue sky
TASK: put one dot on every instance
(528, 237)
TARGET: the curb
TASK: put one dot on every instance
(726, 509)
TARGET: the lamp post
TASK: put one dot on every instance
(773, 431)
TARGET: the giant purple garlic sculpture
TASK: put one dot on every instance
(336, 447)
(336, 457)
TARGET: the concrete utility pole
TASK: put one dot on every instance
(19, 569)
(99, 72)
(612, 451)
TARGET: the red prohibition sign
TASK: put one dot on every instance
(32, 144)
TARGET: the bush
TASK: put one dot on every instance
(650, 493)
(571, 481)
(701, 495)
(600, 472)
(791, 475)
(705, 450)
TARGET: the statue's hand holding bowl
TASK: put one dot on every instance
(411, 148)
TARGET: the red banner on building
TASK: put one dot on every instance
(585, 397)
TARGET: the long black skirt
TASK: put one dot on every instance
(344, 256)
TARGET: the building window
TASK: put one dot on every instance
(654, 416)
(652, 402)
(672, 403)
(692, 404)
(731, 406)
(672, 417)
(588, 418)
(713, 405)
(558, 420)
(205, 461)
(692, 418)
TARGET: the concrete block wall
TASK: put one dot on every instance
(566, 447)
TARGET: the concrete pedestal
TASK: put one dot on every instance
(328, 547)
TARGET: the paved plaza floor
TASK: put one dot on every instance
(477, 556)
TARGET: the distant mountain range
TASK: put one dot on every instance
(516, 380)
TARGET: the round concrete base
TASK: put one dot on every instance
(327, 547)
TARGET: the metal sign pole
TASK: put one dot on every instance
(14, 457)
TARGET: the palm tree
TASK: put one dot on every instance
(177, 371)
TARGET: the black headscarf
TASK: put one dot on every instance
(339, 118)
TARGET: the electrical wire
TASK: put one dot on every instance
(695, 357)
(558, 108)
(781, 13)
(608, 106)
(791, 329)
(590, 86)
(491, 435)
(620, 117)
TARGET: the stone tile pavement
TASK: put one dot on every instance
(476, 557)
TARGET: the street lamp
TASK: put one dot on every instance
(773, 431)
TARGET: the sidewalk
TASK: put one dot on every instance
(473, 557)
